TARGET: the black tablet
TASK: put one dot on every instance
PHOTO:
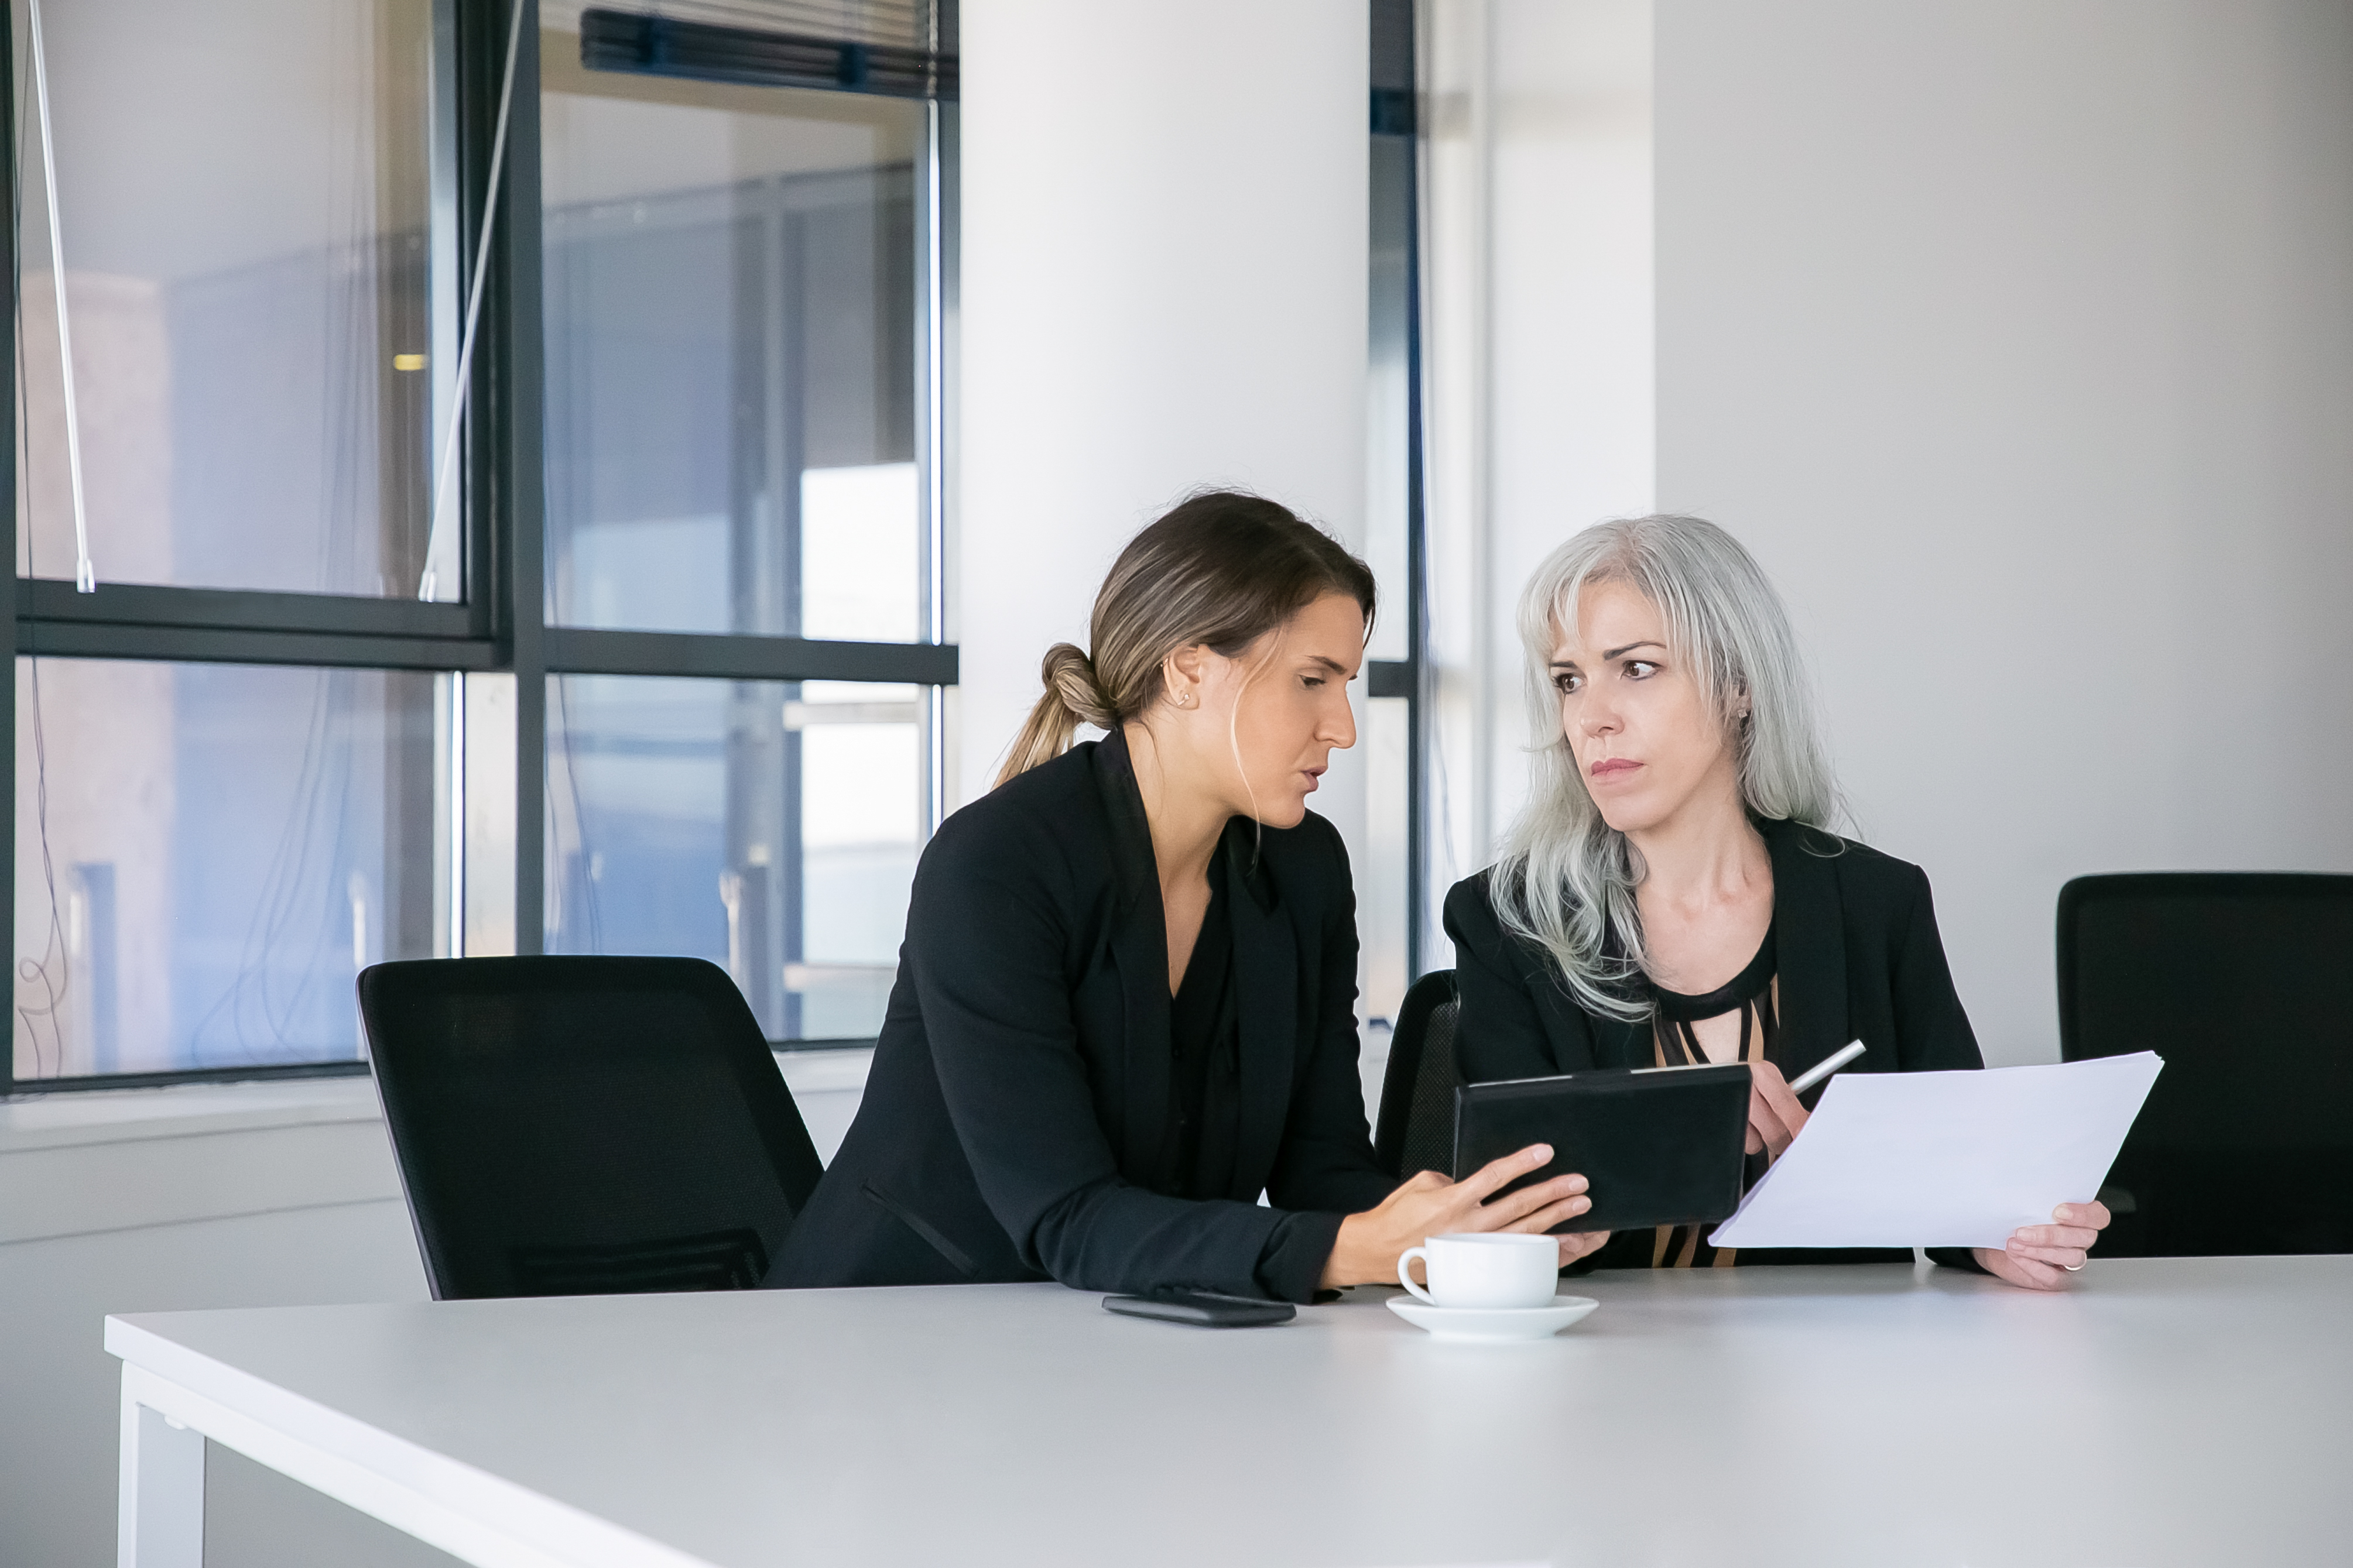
(1659, 1145)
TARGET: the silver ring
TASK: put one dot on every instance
(2072, 1267)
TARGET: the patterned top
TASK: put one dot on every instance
(1756, 993)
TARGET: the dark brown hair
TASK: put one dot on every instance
(1223, 568)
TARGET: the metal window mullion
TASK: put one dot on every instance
(8, 283)
(579, 650)
(1416, 553)
(931, 377)
(938, 191)
(227, 645)
(788, 417)
(512, 390)
(160, 606)
(85, 578)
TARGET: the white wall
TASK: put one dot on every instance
(170, 1200)
(2016, 337)
(1163, 286)
(1541, 352)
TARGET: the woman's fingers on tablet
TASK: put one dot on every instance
(1499, 1172)
(1520, 1210)
(1532, 1208)
(1513, 1208)
(1542, 1218)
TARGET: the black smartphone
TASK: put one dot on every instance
(1202, 1309)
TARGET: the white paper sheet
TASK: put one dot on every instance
(1944, 1158)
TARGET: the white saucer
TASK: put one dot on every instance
(1493, 1325)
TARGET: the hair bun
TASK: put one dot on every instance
(1070, 675)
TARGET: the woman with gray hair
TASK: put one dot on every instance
(1672, 893)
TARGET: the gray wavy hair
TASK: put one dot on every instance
(1566, 880)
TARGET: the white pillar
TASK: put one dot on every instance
(1162, 287)
(1540, 341)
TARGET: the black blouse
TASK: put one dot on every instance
(1751, 991)
(1205, 1047)
(1856, 956)
(1755, 994)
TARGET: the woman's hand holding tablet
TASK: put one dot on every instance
(1369, 1243)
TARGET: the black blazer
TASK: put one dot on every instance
(1857, 957)
(1013, 1122)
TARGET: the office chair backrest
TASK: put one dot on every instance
(2237, 980)
(585, 1126)
(1417, 1115)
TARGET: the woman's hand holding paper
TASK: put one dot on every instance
(2040, 1257)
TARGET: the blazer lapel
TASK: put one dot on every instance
(1139, 951)
(1809, 937)
(1266, 992)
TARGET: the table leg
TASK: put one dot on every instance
(162, 1520)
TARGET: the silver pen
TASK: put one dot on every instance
(1827, 1066)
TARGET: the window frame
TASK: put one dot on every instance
(500, 627)
(1395, 111)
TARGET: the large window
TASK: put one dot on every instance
(628, 641)
(209, 852)
(768, 826)
(253, 288)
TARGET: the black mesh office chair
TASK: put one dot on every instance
(1417, 1118)
(2237, 981)
(585, 1126)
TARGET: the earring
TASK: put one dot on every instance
(1183, 700)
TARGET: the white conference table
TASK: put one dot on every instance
(2162, 1412)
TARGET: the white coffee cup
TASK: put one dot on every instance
(1506, 1268)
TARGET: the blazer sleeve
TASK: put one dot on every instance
(1931, 1029)
(1502, 1033)
(986, 938)
(1326, 1163)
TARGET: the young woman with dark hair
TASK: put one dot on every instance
(1125, 1004)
